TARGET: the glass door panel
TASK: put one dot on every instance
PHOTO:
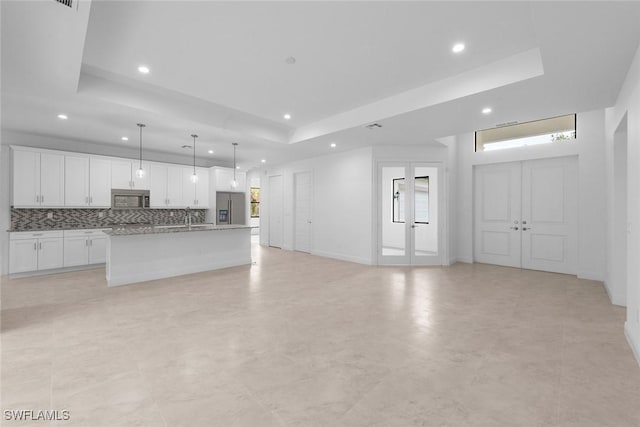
(425, 225)
(393, 209)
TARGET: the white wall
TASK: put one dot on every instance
(589, 147)
(628, 103)
(342, 191)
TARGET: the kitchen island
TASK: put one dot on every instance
(155, 252)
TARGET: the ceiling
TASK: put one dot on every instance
(222, 70)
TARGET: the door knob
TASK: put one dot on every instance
(413, 226)
(526, 228)
(515, 228)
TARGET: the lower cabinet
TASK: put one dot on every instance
(84, 247)
(32, 251)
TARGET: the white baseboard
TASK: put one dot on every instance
(635, 346)
(591, 275)
(465, 260)
(342, 257)
(614, 298)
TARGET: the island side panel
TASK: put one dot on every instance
(143, 257)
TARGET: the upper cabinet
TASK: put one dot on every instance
(195, 195)
(38, 179)
(87, 181)
(166, 186)
(123, 174)
(224, 178)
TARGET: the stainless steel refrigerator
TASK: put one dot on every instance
(230, 208)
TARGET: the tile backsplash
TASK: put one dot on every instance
(37, 219)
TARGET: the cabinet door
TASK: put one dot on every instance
(76, 181)
(188, 188)
(223, 179)
(174, 186)
(51, 179)
(158, 186)
(144, 182)
(23, 255)
(76, 251)
(26, 179)
(100, 182)
(97, 250)
(202, 189)
(50, 254)
(121, 174)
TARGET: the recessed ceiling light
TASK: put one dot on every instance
(264, 160)
(237, 167)
(287, 116)
(62, 116)
(143, 69)
(457, 48)
(210, 151)
(333, 145)
(125, 138)
(486, 110)
(290, 60)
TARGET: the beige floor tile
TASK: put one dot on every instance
(299, 340)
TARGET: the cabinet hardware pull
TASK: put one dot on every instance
(35, 246)
(526, 228)
(42, 199)
(514, 228)
(86, 242)
(40, 245)
(90, 199)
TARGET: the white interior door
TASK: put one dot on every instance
(409, 213)
(303, 218)
(549, 207)
(276, 211)
(497, 214)
(526, 215)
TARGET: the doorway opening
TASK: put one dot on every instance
(617, 286)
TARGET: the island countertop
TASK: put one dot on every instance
(163, 229)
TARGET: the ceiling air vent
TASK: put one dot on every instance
(373, 126)
(187, 147)
(499, 125)
(68, 3)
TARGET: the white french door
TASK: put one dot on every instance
(409, 210)
(526, 214)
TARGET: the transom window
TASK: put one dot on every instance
(545, 131)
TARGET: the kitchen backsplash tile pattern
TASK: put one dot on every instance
(37, 219)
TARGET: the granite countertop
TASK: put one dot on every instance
(175, 228)
(61, 227)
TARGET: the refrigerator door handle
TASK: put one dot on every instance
(230, 206)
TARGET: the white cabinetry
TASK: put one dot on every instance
(87, 181)
(31, 251)
(123, 174)
(166, 186)
(38, 179)
(99, 182)
(195, 195)
(224, 177)
(83, 247)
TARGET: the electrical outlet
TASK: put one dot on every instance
(171, 213)
(100, 214)
(49, 215)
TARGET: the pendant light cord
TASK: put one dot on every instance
(194, 152)
(141, 125)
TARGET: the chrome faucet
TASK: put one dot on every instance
(187, 216)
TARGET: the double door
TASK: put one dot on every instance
(526, 214)
(409, 212)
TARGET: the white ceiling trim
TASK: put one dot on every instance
(516, 68)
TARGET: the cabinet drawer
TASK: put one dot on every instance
(21, 235)
(97, 232)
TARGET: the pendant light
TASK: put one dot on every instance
(140, 171)
(194, 177)
(234, 183)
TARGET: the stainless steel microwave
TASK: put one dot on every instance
(129, 199)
